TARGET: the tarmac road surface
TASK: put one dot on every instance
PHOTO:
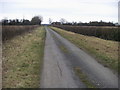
(60, 58)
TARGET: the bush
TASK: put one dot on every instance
(104, 32)
(9, 32)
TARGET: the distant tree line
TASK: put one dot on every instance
(91, 23)
(36, 20)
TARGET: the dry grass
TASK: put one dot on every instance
(110, 48)
(105, 51)
(83, 77)
(22, 60)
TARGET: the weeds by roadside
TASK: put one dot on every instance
(22, 60)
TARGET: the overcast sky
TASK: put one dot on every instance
(71, 10)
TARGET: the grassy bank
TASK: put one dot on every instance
(22, 60)
(105, 51)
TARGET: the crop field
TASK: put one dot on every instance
(9, 32)
(104, 32)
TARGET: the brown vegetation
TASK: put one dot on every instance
(108, 33)
(22, 60)
(9, 32)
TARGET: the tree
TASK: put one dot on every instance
(63, 21)
(50, 21)
(36, 20)
(26, 22)
(4, 21)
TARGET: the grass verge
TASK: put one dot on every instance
(22, 60)
(105, 51)
(63, 48)
(83, 78)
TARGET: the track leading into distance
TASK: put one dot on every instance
(60, 58)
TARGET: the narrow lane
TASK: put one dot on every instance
(61, 57)
(55, 72)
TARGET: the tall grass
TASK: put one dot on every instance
(9, 32)
(108, 33)
(22, 60)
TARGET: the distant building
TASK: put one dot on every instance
(56, 23)
(116, 24)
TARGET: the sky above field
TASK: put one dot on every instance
(71, 10)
